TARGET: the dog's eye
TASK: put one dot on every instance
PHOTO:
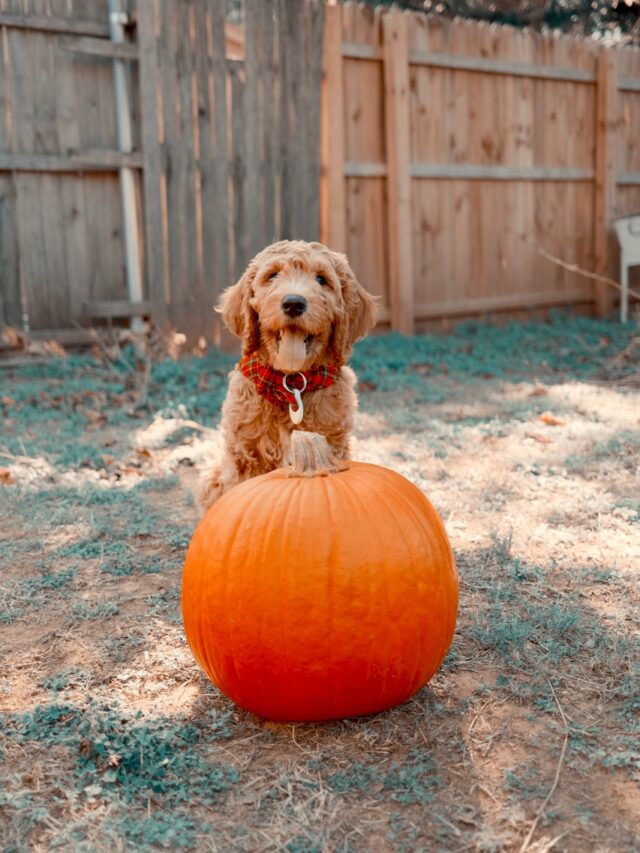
(273, 275)
(322, 280)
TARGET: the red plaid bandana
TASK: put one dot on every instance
(269, 382)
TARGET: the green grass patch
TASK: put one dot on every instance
(151, 771)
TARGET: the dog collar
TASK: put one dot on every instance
(283, 389)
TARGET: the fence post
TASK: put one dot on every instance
(605, 170)
(333, 201)
(399, 214)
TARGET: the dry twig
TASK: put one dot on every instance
(547, 799)
(575, 268)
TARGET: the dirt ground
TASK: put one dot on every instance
(526, 438)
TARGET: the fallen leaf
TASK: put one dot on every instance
(94, 418)
(11, 337)
(6, 477)
(542, 439)
(142, 451)
(551, 420)
(539, 391)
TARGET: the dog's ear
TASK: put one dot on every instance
(237, 313)
(358, 315)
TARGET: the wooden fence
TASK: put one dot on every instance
(458, 154)
(60, 219)
(232, 148)
(455, 156)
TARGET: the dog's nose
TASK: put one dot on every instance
(294, 305)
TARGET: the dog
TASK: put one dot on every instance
(298, 310)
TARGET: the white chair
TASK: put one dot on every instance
(628, 231)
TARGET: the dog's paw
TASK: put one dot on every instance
(209, 490)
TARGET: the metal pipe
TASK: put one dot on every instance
(133, 266)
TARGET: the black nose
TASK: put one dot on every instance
(294, 305)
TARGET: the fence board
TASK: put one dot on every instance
(334, 202)
(10, 297)
(150, 106)
(269, 113)
(314, 11)
(398, 144)
(238, 174)
(605, 170)
(366, 212)
(219, 187)
(252, 123)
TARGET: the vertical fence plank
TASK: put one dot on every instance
(309, 108)
(270, 120)
(238, 172)
(205, 210)
(10, 297)
(218, 228)
(396, 87)
(605, 169)
(292, 137)
(150, 106)
(253, 124)
(333, 225)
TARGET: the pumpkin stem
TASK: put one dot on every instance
(311, 456)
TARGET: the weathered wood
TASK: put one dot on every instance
(356, 50)
(10, 297)
(67, 337)
(469, 172)
(503, 302)
(53, 24)
(365, 170)
(117, 309)
(292, 119)
(72, 212)
(238, 174)
(219, 187)
(269, 118)
(253, 126)
(87, 161)
(154, 196)
(496, 66)
(333, 199)
(129, 188)
(607, 117)
(396, 90)
(310, 107)
(628, 84)
(95, 47)
(628, 179)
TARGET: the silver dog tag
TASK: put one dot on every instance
(296, 415)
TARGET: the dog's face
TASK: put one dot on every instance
(297, 305)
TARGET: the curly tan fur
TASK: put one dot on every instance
(339, 312)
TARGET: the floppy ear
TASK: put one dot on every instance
(237, 313)
(358, 316)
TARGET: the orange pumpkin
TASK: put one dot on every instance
(320, 591)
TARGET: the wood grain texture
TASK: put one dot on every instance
(605, 167)
(151, 116)
(398, 150)
(333, 228)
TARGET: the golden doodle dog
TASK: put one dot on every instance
(298, 309)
